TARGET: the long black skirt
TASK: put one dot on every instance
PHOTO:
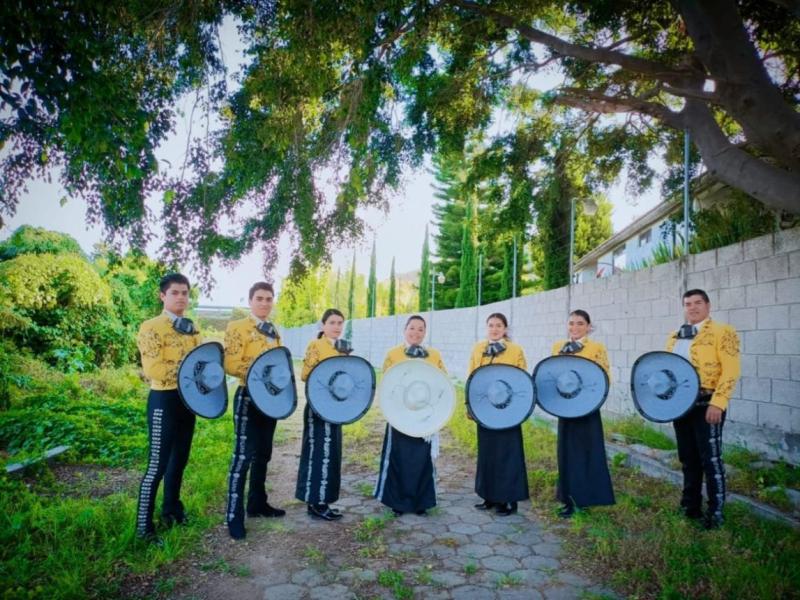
(583, 477)
(501, 476)
(320, 473)
(406, 475)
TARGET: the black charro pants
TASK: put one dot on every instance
(171, 427)
(252, 450)
(700, 453)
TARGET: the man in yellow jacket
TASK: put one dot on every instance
(713, 350)
(245, 340)
(163, 342)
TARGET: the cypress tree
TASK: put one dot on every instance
(392, 291)
(372, 285)
(425, 275)
(468, 291)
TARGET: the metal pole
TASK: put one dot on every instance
(514, 276)
(686, 192)
(433, 305)
(571, 236)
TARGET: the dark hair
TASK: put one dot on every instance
(700, 293)
(327, 315)
(583, 314)
(502, 318)
(415, 318)
(260, 285)
(170, 278)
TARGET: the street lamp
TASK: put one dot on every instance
(434, 278)
(589, 209)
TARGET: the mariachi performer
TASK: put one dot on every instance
(501, 478)
(406, 476)
(245, 340)
(583, 476)
(163, 342)
(319, 475)
(713, 350)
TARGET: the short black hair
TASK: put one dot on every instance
(415, 318)
(327, 315)
(700, 293)
(260, 285)
(171, 278)
(583, 314)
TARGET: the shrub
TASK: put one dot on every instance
(36, 240)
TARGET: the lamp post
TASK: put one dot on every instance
(589, 209)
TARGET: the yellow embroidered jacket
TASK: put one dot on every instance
(594, 351)
(162, 349)
(317, 350)
(513, 355)
(714, 353)
(243, 344)
(398, 355)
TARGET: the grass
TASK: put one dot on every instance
(55, 545)
(470, 569)
(395, 580)
(506, 581)
(644, 548)
(638, 431)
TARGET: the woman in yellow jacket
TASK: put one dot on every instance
(501, 478)
(319, 474)
(583, 476)
(406, 475)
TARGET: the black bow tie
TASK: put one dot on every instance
(184, 326)
(686, 332)
(268, 329)
(494, 348)
(343, 346)
(416, 351)
(571, 347)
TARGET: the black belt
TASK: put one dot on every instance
(704, 397)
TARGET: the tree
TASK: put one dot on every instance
(37, 240)
(425, 275)
(392, 291)
(372, 285)
(468, 288)
(351, 302)
(402, 80)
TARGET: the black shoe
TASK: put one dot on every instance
(507, 508)
(397, 513)
(711, 522)
(566, 511)
(486, 505)
(174, 517)
(266, 510)
(422, 513)
(236, 529)
(150, 537)
(323, 511)
(692, 513)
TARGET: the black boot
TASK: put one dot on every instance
(486, 505)
(265, 510)
(236, 529)
(176, 516)
(507, 508)
(323, 511)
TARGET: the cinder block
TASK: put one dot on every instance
(756, 388)
(786, 392)
(716, 279)
(730, 255)
(743, 411)
(749, 365)
(743, 319)
(775, 416)
(742, 274)
(794, 264)
(787, 240)
(759, 247)
(772, 268)
(775, 367)
(695, 280)
(795, 366)
(762, 294)
(758, 342)
(773, 317)
(732, 298)
(704, 261)
(788, 291)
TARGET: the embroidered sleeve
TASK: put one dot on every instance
(601, 358)
(730, 367)
(235, 363)
(150, 344)
(310, 360)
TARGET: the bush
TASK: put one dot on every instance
(60, 308)
(36, 240)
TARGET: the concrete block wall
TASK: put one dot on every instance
(753, 285)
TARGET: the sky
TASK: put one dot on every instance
(399, 232)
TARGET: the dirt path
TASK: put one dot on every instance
(454, 552)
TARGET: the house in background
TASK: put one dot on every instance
(632, 247)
